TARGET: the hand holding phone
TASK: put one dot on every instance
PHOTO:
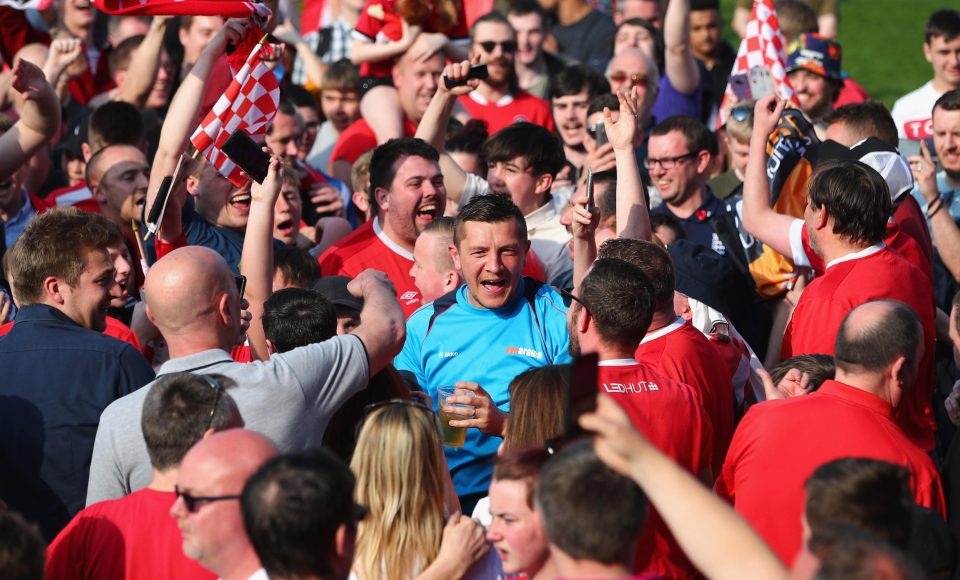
(477, 71)
(244, 151)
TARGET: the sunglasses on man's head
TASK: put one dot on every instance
(740, 113)
(508, 46)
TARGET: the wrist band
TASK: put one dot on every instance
(935, 207)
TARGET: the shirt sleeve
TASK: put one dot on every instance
(409, 358)
(329, 372)
(474, 186)
(106, 475)
(796, 244)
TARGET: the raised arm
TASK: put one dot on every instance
(63, 52)
(679, 63)
(633, 218)
(39, 118)
(943, 227)
(182, 120)
(144, 64)
(717, 540)
(312, 64)
(759, 219)
(256, 260)
(433, 125)
(382, 325)
(363, 50)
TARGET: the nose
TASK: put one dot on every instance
(566, 217)
(493, 263)
(293, 148)
(493, 532)
(178, 510)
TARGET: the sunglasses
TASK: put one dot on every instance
(570, 298)
(740, 113)
(622, 77)
(193, 503)
(508, 46)
(216, 400)
(6, 184)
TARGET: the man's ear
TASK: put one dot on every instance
(344, 547)
(544, 182)
(223, 308)
(703, 162)
(98, 193)
(383, 198)
(193, 186)
(53, 289)
(899, 370)
(455, 256)
(86, 151)
(271, 348)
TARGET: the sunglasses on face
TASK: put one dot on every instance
(622, 77)
(507, 46)
(193, 503)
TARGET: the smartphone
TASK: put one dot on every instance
(740, 85)
(581, 397)
(477, 71)
(159, 203)
(246, 153)
(761, 82)
(601, 134)
(933, 150)
(590, 204)
(241, 282)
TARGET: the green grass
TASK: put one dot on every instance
(882, 43)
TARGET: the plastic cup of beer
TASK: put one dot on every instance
(453, 436)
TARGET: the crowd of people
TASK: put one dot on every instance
(530, 289)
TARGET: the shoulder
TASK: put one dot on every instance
(548, 299)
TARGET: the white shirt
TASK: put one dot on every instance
(913, 112)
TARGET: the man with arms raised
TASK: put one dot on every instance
(483, 334)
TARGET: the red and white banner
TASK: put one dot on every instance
(249, 103)
(225, 8)
(27, 4)
(762, 46)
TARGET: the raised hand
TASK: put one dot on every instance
(457, 72)
(62, 54)
(622, 133)
(767, 114)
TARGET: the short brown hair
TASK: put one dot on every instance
(341, 76)
(55, 244)
(360, 179)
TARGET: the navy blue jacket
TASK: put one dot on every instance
(56, 377)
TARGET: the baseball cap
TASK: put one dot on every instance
(816, 54)
(886, 160)
(334, 289)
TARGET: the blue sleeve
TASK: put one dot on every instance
(409, 358)
(553, 316)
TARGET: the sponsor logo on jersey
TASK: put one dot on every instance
(445, 354)
(525, 352)
(408, 296)
(638, 387)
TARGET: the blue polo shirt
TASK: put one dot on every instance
(57, 377)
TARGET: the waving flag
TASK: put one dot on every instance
(27, 4)
(225, 8)
(762, 46)
(249, 103)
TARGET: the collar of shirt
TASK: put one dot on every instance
(675, 325)
(19, 220)
(30, 312)
(397, 248)
(618, 362)
(547, 213)
(197, 362)
(856, 396)
(480, 100)
(710, 207)
(857, 255)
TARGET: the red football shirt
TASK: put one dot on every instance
(515, 108)
(779, 444)
(670, 416)
(359, 138)
(912, 222)
(368, 247)
(872, 274)
(682, 353)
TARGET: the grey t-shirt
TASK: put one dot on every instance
(289, 398)
(588, 41)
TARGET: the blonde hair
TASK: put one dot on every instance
(399, 466)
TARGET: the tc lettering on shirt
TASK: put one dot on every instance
(525, 352)
(638, 387)
(919, 129)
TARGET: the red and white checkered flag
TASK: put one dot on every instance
(762, 46)
(249, 103)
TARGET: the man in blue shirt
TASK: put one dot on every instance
(59, 371)
(483, 334)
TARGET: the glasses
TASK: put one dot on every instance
(6, 184)
(507, 46)
(569, 297)
(668, 162)
(216, 400)
(622, 77)
(740, 113)
(193, 503)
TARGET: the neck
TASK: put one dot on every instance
(571, 11)
(188, 343)
(528, 75)
(953, 178)
(575, 155)
(707, 59)
(663, 317)
(873, 383)
(607, 351)
(547, 571)
(834, 248)
(568, 567)
(395, 237)
(164, 480)
(78, 32)
(533, 204)
(686, 207)
(8, 210)
(942, 86)
(241, 564)
(493, 93)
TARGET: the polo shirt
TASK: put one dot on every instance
(682, 353)
(358, 138)
(670, 415)
(489, 347)
(913, 222)
(288, 398)
(697, 225)
(514, 108)
(779, 444)
(133, 538)
(871, 274)
(369, 247)
(58, 377)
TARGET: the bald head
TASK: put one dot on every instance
(230, 456)
(186, 292)
(874, 335)
(103, 160)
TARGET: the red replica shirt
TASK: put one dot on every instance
(518, 107)
(779, 444)
(379, 23)
(670, 416)
(872, 274)
(368, 247)
(115, 328)
(908, 215)
(680, 352)
(133, 538)
(359, 138)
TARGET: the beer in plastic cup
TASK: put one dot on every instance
(453, 436)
